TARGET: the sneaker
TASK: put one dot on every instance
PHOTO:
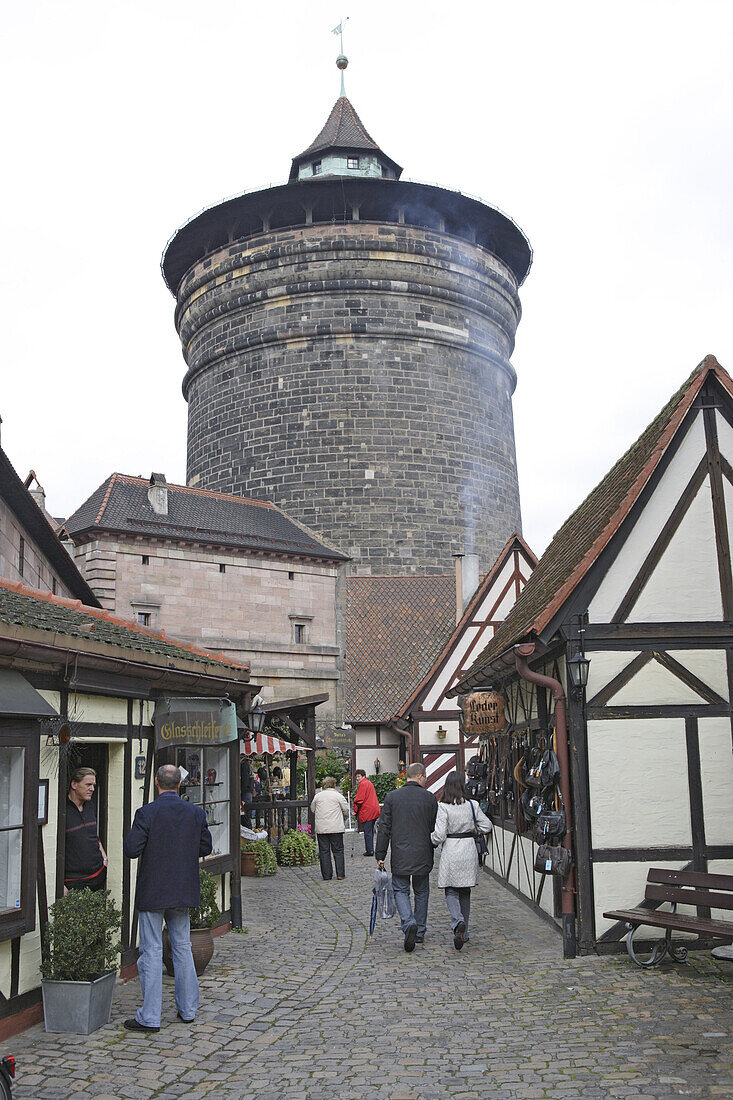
(458, 940)
(419, 938)
(369, 854)
(133, 1025)
(410, 937)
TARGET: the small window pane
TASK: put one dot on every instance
(12, 762)
(143, 618)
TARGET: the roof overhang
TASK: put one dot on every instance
(19, 700)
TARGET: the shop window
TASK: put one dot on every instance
(207, 785)
(18, 831)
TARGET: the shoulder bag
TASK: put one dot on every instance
(482, 848)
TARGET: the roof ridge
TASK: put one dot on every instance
(106, 616)
(133, 478)
(399, 576)
(105, 499)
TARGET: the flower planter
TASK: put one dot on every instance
(78, 1008)
(248, 862)
(202, 949)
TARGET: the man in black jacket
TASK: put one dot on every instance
(168, 835)
(405, 825)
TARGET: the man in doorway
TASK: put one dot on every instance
(407, 820)
(247, 789)
(169, 836)
(85, 861)
(366, 808)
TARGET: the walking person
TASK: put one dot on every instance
(457, 820)
(330, 807)
(168, 836)
(366, 808)
(407, 820)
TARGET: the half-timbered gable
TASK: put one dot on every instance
(429, 717)
(640, 577)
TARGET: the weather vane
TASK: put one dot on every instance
(341, 61)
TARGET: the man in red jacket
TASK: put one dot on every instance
(366, 808)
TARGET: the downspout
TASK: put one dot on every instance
(521, 655)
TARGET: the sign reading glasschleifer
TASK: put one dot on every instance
(194, 722)
(483, 712)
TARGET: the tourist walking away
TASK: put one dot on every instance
(455, 826)
(407, 820)
(168, 836)
(85, 861)
(366, 808)
(330, 807)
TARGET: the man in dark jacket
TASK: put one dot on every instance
(169, 835)
(408, 819)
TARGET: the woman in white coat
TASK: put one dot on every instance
(330, 807)
(458, 867)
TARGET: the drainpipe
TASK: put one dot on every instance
(521, 655)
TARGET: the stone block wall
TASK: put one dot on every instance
(36, 571)
(358, 375)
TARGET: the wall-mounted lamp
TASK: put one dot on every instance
(579, 664)
(441, 733)
(256, 719)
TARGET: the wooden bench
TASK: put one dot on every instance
(697, 888)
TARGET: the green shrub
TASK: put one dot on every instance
(296, 848)
(329, 763)
(81, 940)
(384, 783)
(207, 913)
(264, 855)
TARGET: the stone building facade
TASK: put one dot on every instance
(231, 575)
(348, 338)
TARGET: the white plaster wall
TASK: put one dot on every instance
(646, 530)
(604, 666)
(98, 708)
(639, 793)
(429, 735)
(388, 756)
(654, 685)
(716, 769)
(454, 661)
(708, 665)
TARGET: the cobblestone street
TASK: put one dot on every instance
(303, 1007)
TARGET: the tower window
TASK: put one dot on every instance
(352, 162)
(222, 568)
(54, 586)
(299, 633)
(21, 556)
(145, 559)
(144, 618)
(291, 575)
(316, 167)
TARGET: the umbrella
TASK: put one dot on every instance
(382, 899)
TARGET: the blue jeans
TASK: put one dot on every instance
(421, 890)
(150, 964)
(369, 837)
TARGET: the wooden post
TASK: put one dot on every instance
(309, 734)
(61, 812)
(578, 752)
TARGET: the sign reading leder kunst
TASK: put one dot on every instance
(483, 712)
(194, 722)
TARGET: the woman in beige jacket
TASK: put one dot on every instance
(329, 807)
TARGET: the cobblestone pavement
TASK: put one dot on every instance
(302, 1007)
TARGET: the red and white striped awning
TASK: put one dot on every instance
(258, 743)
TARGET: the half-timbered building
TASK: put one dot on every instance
(639, 578)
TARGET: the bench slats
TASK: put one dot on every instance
(660, 919)
(690, 878)
(689, 896)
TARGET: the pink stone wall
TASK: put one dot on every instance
(37, 572)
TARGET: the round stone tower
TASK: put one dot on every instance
(347, 337)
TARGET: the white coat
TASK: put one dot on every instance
(329, 807)
(459, 860)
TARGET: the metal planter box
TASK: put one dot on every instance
(78, 1008)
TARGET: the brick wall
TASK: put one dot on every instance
(358, 375)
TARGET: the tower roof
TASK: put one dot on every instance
(344, 131)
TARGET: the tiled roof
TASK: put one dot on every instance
(395, 628)
(589, 529)
(121, 504)
(25, 607)
(343, 130)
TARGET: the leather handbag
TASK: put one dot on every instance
(482, 848)
(551, 822)
(551, 859)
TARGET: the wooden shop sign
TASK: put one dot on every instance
(194, 722)
(483, 712)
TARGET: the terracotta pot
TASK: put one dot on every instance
(248, 862)
(202, 948)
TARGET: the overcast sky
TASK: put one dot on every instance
(604, 131)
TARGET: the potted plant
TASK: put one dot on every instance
(264, 856)
(203, 918)
(297, 848)
(248, 861)
(79, 961)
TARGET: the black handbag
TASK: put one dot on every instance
(482, 848)
(551, 822)
(551, 859)
(476, 788)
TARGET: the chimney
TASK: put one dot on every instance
(39, 495)
(467, 578)
(158, 494)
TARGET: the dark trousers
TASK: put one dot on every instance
(368, 827)
(327, 843)
(99, 882)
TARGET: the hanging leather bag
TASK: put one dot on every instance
(551, 823)
(551, 859)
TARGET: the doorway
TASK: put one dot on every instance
(95, 755)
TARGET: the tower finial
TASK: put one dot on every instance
(341, 61)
